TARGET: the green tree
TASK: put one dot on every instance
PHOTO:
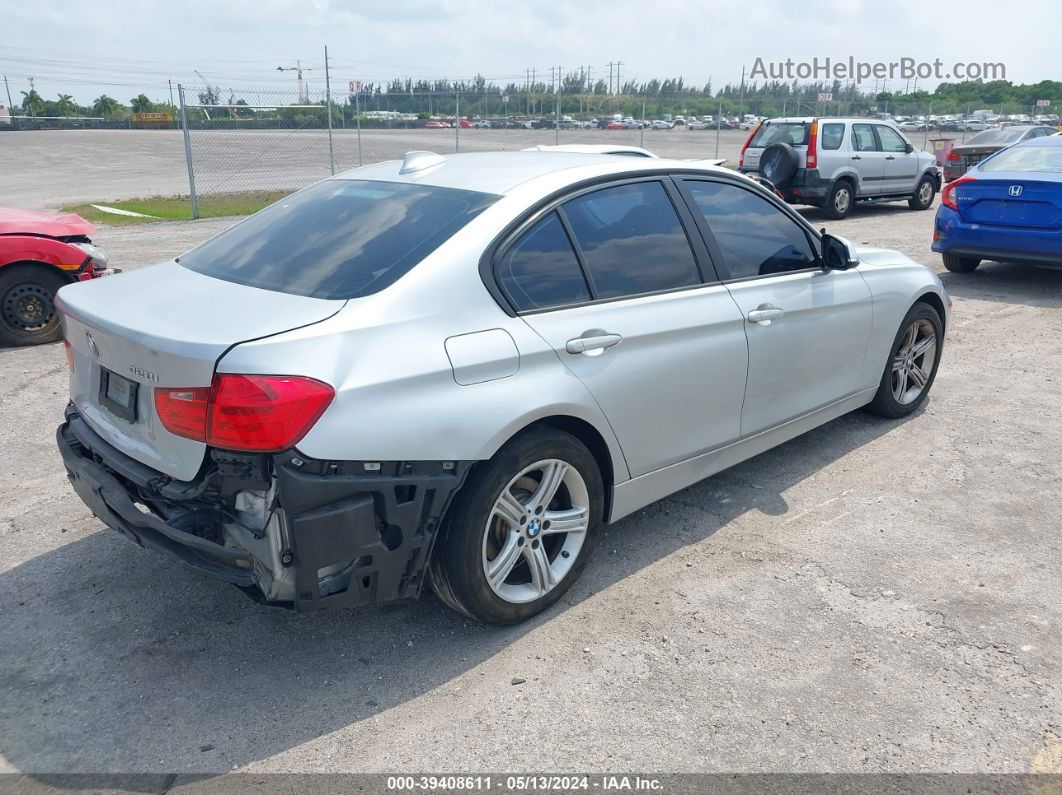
(141, 104)
(105, 106)
(65, 105)
(32, 102)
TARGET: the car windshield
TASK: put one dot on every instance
(995, 137)
(1026, 158)
(339, 238)
(792, 133)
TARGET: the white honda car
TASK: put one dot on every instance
(454, 370)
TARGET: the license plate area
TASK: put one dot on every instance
(118, 394)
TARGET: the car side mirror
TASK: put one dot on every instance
(838, 254)
(908, 148)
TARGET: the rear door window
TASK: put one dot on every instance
(541, 269)
(339, 238)
(863, 139)
(631, 240)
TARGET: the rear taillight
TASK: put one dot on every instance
(813, 146)
(254, 413)
(741, 160)
(947, 196)
(953, 157)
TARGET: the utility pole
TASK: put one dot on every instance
(527, 90)
(610, 65)
(8, 88)
(533, 87)
(328, 101)
(557, 129)
(741, 99)
(170, 83)
(298, 69)
(619, 82)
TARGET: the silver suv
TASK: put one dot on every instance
(834, 163)
(456, 369)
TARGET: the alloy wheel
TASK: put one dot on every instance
(841, 200)
(913, 363)
(535, 531)
(925, 193)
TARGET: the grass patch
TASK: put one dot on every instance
(177, 208)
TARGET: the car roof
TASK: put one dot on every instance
(1043, 140)
(501, 172)
(591, 149)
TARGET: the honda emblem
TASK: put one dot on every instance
(1015, 190)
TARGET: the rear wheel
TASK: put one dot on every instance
(519, 533)
(957, 264)
(912, 365)
(922, 198)
(27, 304)
(839, 202)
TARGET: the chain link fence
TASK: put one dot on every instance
(275, 141)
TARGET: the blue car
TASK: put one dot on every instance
(1007, 207)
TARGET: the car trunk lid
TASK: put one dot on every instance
(1010, 200)
(163, 326)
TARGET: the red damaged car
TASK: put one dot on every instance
(39, 253)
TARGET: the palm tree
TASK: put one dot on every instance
(32, 102)
(66, 105)
(104, 105)
(141, 104)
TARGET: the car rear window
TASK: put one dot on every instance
(1025, 158)
(993, 137)
(792, 133)
(339, 238)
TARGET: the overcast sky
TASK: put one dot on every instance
(122, 48)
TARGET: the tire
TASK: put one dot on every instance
(837, 206)
(896, 396)
(475, 536)
(957, 264)
(922, 198)
(778, 164)
(27, 304)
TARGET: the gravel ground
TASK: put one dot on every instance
(873, 596)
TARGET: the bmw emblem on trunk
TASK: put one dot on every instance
(1015, 190)
(92, 346)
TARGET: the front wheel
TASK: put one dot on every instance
(922, 198)
(519, 533)
(912, 366)
(27, 304)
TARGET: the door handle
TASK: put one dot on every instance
(592, 340)
(890, 157)
(764, 314)
(857, 157)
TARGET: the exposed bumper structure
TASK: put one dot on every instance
(288, 530)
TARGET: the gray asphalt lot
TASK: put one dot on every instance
(50, 169)
(873, 596)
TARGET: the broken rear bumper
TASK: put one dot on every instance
(346, 533)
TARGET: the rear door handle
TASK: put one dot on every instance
(592, 340)
(764, 314)
(856, 157)
(890, 157)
